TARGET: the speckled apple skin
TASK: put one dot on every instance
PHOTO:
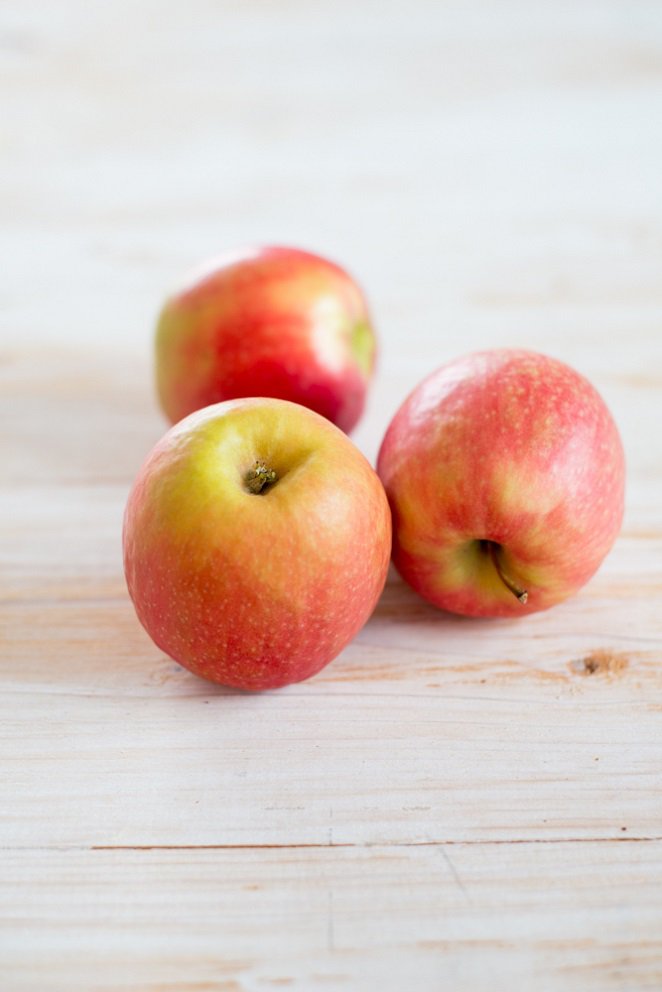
(508, 446)
(269, 321)
(255, 590)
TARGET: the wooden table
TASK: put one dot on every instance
(451, 804)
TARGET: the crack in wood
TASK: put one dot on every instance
(367, 845)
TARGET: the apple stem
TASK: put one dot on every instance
(520, 594)
(258, 477)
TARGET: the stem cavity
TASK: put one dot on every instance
(521, 595)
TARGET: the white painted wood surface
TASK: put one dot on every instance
(451, 804)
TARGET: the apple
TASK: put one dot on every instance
(505, 474)
(256, 541)
(269, 321)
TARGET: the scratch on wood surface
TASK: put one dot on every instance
(455, 873)
(600, 662)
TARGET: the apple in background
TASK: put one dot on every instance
(505, 474)
(256, 542)
(267, 322)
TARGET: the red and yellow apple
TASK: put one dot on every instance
(505, 474)
(270, 321)
(256, 542)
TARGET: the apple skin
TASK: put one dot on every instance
(509, 447)
(255, 590)
(268, 321)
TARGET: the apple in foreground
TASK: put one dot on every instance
(256, 542)
(269, 321)
(505, 474)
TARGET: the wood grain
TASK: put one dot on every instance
(452, 803)
(559, 915)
